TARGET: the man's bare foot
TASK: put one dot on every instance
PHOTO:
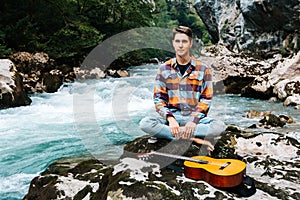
(210, 147)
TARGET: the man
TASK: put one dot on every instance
(182, 96)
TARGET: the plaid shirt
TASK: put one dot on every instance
(191, 93)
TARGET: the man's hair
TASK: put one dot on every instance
(183, 29)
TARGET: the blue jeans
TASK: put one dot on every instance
(158, 126)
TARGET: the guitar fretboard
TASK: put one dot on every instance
(179, 157)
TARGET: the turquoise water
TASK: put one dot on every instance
(94, 117)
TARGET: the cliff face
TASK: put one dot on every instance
(257, 43)
(253, 26)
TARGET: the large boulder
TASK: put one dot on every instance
(293, 100)
(274, 175)
(255, 26)
(282, 82)
(12, 93)
(236, 73)
(284, 76)
(126, 178)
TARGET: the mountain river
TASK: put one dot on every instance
(95, 117)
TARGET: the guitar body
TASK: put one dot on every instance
(223, 173)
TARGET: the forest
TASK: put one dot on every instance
(67, 30)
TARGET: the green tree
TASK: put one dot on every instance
(68, 29)
(162, 15)
(183, 12)
(112, 17)
(4, 50)
(52, 26)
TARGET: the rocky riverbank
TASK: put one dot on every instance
(257, 51)
(24, 73)
(276, 78)
(272, 159)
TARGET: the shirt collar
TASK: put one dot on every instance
(192, 66)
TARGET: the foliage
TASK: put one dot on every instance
(69, 29)
(4, 50)
(81, 36)
(183, 12)
(170, 13)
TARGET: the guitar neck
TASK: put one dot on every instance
(179, 157)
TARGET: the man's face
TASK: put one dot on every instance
(182, 44)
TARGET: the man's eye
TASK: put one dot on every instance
(181, 41)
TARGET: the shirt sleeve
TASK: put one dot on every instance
(205, 97)
(161, 96)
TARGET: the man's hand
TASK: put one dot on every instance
(189, 129)
(174, 126)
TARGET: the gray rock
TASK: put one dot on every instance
(11, 86)
(293, 100)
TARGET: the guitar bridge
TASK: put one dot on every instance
(224, 165)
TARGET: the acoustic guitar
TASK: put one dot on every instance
(222, 173)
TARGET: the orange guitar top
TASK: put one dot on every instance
(217, 172)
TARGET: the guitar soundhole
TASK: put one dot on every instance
(225, 165)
